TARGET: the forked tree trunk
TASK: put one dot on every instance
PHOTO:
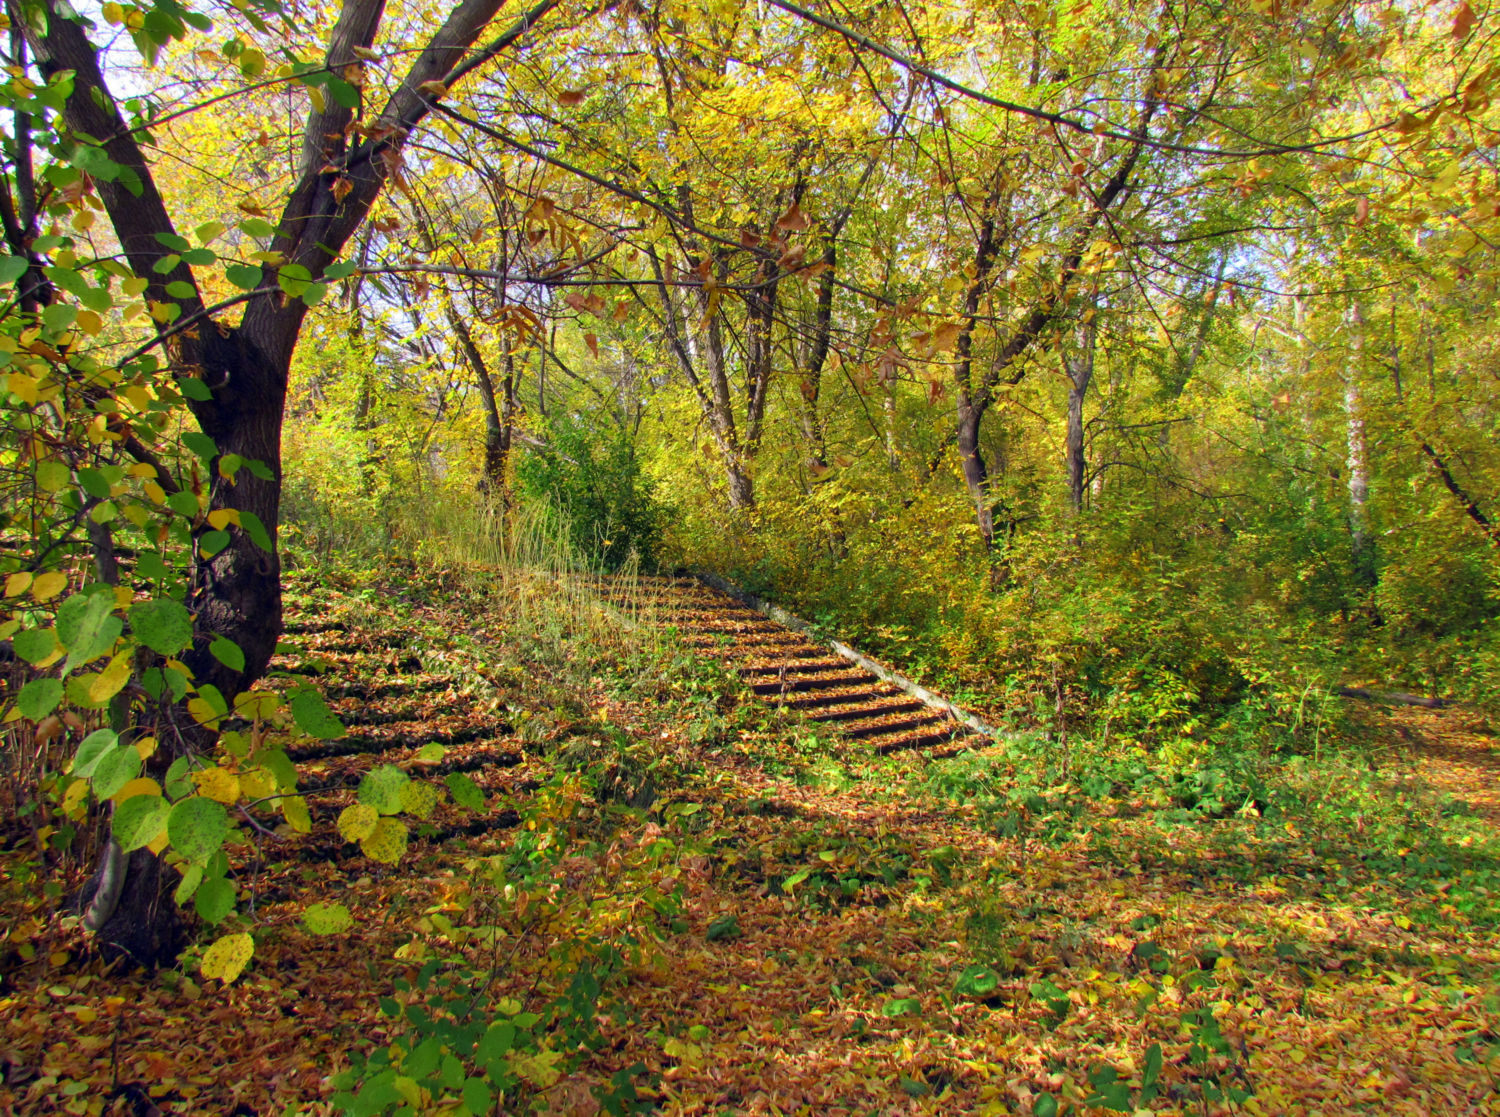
(237, 592)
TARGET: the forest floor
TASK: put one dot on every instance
(803, 927)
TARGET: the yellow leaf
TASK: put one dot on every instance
(294, 810)
(154, 492)
(134, 285)
(77, 791)
(357, 823)
(46, 586)
(432, 89)
(203, 713)
(418, 798)
(257, 784)
(386, 843)
(366, 53)
(90, 323)
(409, 1090)
(139, 786)
(112, 679)
(113, 13)
(146, 747)
(23, 386)
(227, 958)
(17, 583)
(159, 843)
(218, 784)
(219, 517)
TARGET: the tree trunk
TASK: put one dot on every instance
(976, 475)
(237, 592)
(1361, 544)
(1080, 373)
(142, 923)
(499, 409)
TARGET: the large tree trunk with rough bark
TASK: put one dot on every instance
(237, 592)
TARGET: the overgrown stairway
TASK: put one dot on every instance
(786, 668)
(395, 702)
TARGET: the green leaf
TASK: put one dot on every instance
(314, 293)
(180, 289)
(12, 268)
(97, 299)
(52, 476)
(313, 716)
(725, 927)
(200, 444)
(1045, 1105)
(1152, 1069)
(91, 751)
(228, 653)
(901, 1006)
(344, 93)
(179, 778)
(98, 629)
(174, 242)
(246, 277)
(326, 919)
(214, 899)
(163, 626)
(466, 793)
(35, 644)
(381, 788)
(212, 542)
(496, 1042)
(139, 820)
(197, 828)
(199, 257)
(59, 316)
(977, 981)
(94, 483)
(39, 698)
(195, 389)
(214, 697)
(293, 279)
(188, 885)
(115, 769)
(279, 765)
(256, 227)
(251, 524)
(183, 503)
(477, 1096)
